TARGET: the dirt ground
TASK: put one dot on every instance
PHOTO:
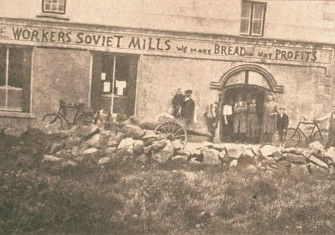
(127, 196)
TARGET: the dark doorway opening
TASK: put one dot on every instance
(113, 87)
(247, 92)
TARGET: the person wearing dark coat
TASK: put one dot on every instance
(282, 124)
(177, 102)
(187, 108)
(227, 122)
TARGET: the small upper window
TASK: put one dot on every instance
(252, 18)
(54, 6)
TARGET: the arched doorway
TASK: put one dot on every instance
(249, 82)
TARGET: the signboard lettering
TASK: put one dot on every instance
(229, 50)
(157, 45)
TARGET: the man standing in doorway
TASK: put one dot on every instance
(252, 121)
(240, 119)
(228, 120)
(187, 108)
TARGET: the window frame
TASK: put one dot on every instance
(6, 87)
(112, 75)
(111, 102)
(251, 18)
(52, 11)
(246, 79)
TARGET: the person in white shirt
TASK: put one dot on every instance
(212, 119)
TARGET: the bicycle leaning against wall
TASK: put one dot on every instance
(61, 120)
(297, 137)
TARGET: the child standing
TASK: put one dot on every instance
(282, 124)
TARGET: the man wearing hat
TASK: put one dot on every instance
(177, 102)
(187, 108)
(282, 124)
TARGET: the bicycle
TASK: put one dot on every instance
(295, 134)
(60, 119)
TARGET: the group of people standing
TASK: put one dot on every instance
(243, 121)
(183, 106)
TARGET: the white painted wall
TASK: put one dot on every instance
(291, 19)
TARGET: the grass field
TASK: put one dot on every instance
(126, 197)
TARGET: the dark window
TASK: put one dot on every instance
(54, 6)
(15, 66)
(115, 74)
(252, 18)
(121, 75)
(114, 83)
(3, 58)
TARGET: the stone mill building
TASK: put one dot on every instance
(131, 56)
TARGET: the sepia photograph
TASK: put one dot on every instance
(167, 117)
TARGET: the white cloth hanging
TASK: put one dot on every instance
(195, 116)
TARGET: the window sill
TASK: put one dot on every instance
(251, 35)
(16, 114)
(114, 95)
(53, 16)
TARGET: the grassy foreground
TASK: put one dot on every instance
(126, 197)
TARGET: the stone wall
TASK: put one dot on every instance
(160, 77)
(65, 74)
(301, 90)
(56, 74)
(59, 74)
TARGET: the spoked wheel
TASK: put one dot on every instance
(292, 137)
(52, 120)
(172, 131)
(321, 136)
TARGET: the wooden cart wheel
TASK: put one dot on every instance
(172, 131)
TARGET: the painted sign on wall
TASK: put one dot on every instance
(160, 45)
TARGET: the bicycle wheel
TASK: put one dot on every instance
(173, 131)
(52, 120)
(86, 118)
(292, 137)
(321, 136)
